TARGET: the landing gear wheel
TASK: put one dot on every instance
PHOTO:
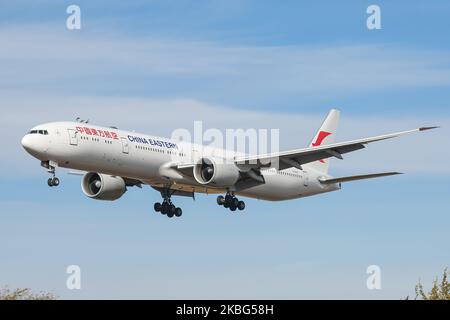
(228, 199)
(55, 182)
(157, 206)
(220, 200)
(165, 208)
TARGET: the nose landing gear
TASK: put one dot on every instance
(231, 202)
(53, 181)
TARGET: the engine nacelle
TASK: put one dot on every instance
(208, 172)
(103, 187)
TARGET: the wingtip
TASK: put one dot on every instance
(428, 128)
(393, 173)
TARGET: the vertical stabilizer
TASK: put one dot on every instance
(325, 135)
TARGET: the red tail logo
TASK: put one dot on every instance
(320, 137)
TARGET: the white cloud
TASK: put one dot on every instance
(47, 56)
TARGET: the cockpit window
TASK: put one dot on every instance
(43, 132)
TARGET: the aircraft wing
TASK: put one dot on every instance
(298, 157)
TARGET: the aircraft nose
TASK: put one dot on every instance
(34, 145)
(27, 143)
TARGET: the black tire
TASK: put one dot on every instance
(157, 206)
(226, 205)
(50, 182)
(172, 209)
(170, 214)
(55, 181)
(241, 205)
(235, 202)
(233, 207)
(165, 208)
(220, 200)
(178, 212)
(228, 199)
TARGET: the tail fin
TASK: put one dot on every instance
(325, 135)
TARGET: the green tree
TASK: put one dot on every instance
(439, 291)
(24, 294)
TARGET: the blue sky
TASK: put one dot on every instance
(155, 66)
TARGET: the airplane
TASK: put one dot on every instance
(111, 160)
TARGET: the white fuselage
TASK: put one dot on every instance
(87, 147)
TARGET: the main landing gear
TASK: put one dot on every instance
(231, 202)
(167, 207)
(53, 181)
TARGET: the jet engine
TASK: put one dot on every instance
(207, 171)
(103, 187)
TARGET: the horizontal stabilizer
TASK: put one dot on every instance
(360, 177)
